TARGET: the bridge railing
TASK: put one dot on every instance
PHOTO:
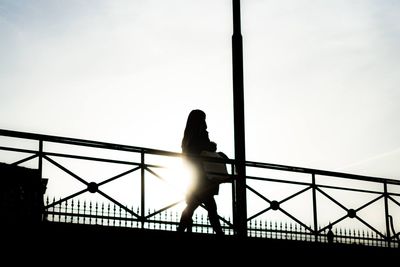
(91, 182)
(327, 206)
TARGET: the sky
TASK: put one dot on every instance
(321, 78)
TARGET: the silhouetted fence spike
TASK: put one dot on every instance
(88, 212)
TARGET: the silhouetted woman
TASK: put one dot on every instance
(195, 140)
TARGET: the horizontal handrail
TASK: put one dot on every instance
(106, 145)
(321, 172)
(84, 142)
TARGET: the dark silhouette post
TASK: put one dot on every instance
(240, 209)
(330, 236)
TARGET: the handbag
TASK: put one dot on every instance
(215, 170)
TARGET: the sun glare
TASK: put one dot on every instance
(175, 178)
(180, 176)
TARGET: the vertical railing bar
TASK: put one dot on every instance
(40, 163)
(385, 195)
(314, 197)
(233, 196)
(40, 169)
(142, 188)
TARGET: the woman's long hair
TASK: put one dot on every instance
(195, 124)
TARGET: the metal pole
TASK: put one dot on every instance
(240, 206)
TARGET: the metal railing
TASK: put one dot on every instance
(132, 186)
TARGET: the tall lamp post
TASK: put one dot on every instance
(240, 206)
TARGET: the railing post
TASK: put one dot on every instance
(385, 195)
(40, 164)
(43, 213)
(234, 207)
(314, 199)
(142, 189)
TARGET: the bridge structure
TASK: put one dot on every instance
(112, 186)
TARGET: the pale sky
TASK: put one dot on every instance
(321, 78)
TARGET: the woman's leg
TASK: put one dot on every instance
(211, 207)
(186, 216)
